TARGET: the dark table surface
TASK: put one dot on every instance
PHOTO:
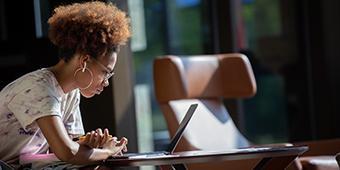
(186, 157)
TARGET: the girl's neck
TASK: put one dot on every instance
(64, 75)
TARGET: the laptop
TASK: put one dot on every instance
(173, 143)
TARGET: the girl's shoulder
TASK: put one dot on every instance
(38, 81)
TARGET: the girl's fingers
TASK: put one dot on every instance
(97, 140)
(125, 149)
(92, 139)
(122, 141)
(100, 132)
(105, 137)
(87, 137)
(84, 139)
(106, 132)
(102, 138)
(121, 144)
(116, 146)
(99, 137)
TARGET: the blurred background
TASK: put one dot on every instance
(293, 46)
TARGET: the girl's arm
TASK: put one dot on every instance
(69, 151)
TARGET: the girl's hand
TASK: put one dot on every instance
(116, 147)
(95, 139)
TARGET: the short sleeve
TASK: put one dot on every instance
(73, 120)
(74, 124)
(33, 103)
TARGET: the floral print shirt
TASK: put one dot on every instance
(32, 96)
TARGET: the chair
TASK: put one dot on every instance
(180, 81)
(322, 155)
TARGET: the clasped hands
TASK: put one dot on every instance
(103, 140)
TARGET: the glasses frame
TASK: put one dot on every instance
(108, 73)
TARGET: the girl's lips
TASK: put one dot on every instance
(98, 91)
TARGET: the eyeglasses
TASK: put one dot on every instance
(108, 73)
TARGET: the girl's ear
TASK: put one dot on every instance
(83, 59)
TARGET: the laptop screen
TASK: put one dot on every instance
(181, 128)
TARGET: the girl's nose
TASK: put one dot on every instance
(106, 83)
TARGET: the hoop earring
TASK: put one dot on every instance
(83, 71)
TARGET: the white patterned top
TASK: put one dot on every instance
(32, 96)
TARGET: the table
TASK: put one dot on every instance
(270, 157)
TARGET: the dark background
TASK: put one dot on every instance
(312, 82)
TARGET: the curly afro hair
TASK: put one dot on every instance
(94, 28)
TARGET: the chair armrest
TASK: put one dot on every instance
(321, 147)
(319, 163)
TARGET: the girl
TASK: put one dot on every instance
(39, 112)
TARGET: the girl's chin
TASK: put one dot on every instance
(87, 95)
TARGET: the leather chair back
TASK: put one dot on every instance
(206, 80)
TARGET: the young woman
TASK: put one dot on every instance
(39, 112)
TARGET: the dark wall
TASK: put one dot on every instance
(20, 50)
(320, 37)
(328, 116)
(313, 82)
